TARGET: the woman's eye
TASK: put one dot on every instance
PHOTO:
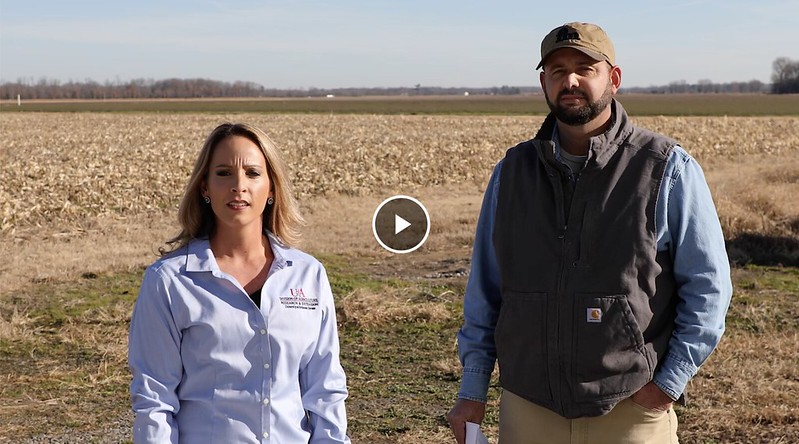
(253, 173)
(223, 173)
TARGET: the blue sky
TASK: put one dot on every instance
(378, 43)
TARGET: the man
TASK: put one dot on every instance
(599, 276)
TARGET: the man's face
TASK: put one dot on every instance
(578, 88)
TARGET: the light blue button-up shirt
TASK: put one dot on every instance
(209, 366)
(687, 226)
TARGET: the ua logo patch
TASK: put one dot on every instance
(298, 299)
(594, 315)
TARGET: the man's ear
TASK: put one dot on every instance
(615, 78)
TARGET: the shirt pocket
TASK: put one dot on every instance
(520, 338)
(610, 358)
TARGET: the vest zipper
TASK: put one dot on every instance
(565, 215)
(555, 368)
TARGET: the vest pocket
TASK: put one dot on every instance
(520, 338)
(610, 358)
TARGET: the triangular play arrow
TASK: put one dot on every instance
(400, 224)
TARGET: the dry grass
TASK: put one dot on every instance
(747, 392)
(86, 194)
(366, 308)
(64, 359)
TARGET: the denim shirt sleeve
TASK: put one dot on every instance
(481, 304)
(688, 226)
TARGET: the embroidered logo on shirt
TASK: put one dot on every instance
(594, 315)
(298, 300)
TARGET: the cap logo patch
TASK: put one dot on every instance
(567, 33)
(594, 315)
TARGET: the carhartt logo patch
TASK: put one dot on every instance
(566, 33)
(594, 315)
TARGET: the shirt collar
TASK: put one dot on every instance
(556, 141)
(284, 256)
(200, 258)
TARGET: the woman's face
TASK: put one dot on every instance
(237, 183)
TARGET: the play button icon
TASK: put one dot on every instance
(401, 224)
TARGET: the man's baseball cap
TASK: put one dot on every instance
(585, 37)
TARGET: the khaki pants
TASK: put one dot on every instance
(522, 422)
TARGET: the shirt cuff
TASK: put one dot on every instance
(673, 375)
(474, 384)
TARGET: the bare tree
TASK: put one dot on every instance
(785, 77)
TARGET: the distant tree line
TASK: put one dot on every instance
(417, 90)
(44, 88)
(204, 88)
(785, 77)
(785, 80)
(703, 87)
(134, 89)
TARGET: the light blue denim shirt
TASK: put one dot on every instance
(687, 226)
(209, 366)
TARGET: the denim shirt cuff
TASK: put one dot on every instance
(673, 375)
(474, 384)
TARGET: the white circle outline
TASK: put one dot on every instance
(426, 216)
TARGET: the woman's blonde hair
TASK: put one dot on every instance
(196, 218)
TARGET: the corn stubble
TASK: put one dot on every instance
(60, 169)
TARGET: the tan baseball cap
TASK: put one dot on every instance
(585, 37)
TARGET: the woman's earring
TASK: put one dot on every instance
(270, 200)
(207, 199)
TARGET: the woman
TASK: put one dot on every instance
(233, 337)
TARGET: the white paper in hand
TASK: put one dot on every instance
(474, 435)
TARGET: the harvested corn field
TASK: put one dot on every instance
(62, 168)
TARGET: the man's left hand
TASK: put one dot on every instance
(652, 397)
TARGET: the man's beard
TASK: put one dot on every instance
(582, 114)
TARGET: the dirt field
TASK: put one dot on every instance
(85, 199)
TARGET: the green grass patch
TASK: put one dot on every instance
(344, 280)
(53, 303)
(768, 279)
(636, 105)
(765, 299)
(403, 373)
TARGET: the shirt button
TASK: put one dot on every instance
(266, 365)
(266, 434)
(266, 402)
(263, 332)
